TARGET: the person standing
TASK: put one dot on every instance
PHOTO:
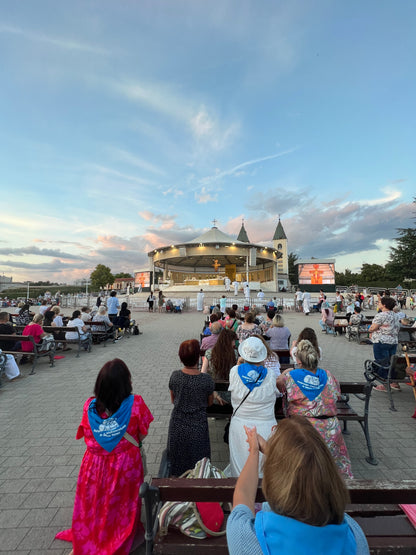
(112, 306)
(298, 299)
(191, 393)
(223, 304)
(200, 301)
(235, 285)
(150, 300)
(227, 282)
(306, 302)
(161, 301)
(107, 507)
(260, 295)
(247, 291)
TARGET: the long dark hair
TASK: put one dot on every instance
(26, 306)
(223, 354)
(112, 386)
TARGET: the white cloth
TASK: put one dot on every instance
(260, 295)
(235, 285)
(200, 301)
(72, 335)
(247, 292)
(58, 321)
(11, 368)
(306, 298)
(257, 410)
(227, 283)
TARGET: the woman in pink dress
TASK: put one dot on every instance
(313, 392)
(106, 517)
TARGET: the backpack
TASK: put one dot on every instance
(136, 330)
(186, 515)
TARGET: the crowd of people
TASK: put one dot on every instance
(303, 460)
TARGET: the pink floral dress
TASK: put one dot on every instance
(324, 404)
(107, 505)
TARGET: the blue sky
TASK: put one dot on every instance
(130, 125)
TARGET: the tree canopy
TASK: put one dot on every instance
(122, 275)
(101, 276)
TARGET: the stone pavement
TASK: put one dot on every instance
(40, 458)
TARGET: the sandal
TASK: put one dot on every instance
(380, 388)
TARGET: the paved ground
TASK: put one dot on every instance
(40, 458)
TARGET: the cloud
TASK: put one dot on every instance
(236, 169)
(39, 252)
(173, 190)
(131, 178)
(204, 196)
(67, 44)
(327, 229)
(134, 160)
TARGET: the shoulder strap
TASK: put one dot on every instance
(249, 391)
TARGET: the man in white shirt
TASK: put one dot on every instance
(260, 295)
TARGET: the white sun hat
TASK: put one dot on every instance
(253, 350)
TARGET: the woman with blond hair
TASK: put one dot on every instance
(306, 498)
(313, 392)
(278, 333)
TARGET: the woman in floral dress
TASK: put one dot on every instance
(106, 517)
(313, 393)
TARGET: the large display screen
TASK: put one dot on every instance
(142, 280)
(316, 274)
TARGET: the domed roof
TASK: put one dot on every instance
(214, 235)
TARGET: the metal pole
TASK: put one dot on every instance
(28, 290)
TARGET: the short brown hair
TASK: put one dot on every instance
(249, 318)
(301, 479)
(189, 352)
(4, 316)
(388, 302)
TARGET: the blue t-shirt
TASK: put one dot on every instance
(242, 539)
(112, 305)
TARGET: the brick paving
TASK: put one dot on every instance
(40, 458)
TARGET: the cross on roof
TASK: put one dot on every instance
(214, 221)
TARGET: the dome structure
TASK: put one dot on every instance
(214, 255)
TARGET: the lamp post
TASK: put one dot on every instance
(27, 294)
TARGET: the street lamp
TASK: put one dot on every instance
(27, 294)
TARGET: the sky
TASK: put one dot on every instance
(127, 126)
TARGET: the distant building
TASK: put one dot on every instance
(121, 283)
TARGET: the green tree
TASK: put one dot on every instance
(122, 275)
(371, 272)
(293, 272)
(101, 276)
(402, 257)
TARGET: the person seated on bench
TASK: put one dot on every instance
(101, 316)
(248, 327)
(384, 334)
(268, 322)
(86, 315)
(209, 341)
(219, 360)
(313, 393)
(36, 331)
(58, 323)
(271, 362)
(107, 507)
(305, 498)
(208, 323)
(230, 319)
(253, 397)
(279, 335)
(354, 325)
(327, 318)
(24, 316)
(12, 370)
(310, 335)
(76, 322)
(191, 393)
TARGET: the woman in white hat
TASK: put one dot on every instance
(253, 396)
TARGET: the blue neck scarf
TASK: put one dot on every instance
(252, 376)
(281, 534)
(309, 383)
(108, 432)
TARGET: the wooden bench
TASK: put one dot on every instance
(396, 368)
(345, 412)
(36, 353)
(374, 505)
(78, 341)
(101, 335)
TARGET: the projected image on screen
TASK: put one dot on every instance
(316, 274)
